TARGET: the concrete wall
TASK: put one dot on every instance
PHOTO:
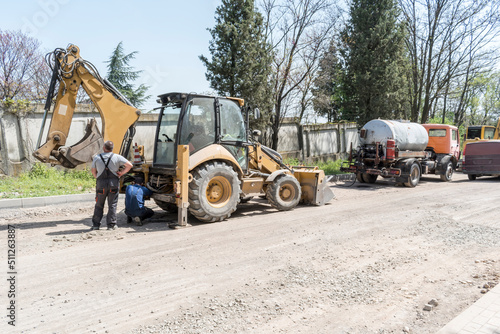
(19, 135)
(317, 142)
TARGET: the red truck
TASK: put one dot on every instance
(481, 158)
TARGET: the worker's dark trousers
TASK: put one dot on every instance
(106, 188)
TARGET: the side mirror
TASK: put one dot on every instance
(256, 113)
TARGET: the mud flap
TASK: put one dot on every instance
(84, 150)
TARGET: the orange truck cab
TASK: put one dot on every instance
(443, 139)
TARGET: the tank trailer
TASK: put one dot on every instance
(404, 151)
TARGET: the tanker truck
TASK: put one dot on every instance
(404, 151)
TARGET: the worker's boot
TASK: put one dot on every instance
(138, 221)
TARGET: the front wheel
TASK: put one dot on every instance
(414, 177)
(471, 177)
(214, 192)
(448, 172)
(284, 193)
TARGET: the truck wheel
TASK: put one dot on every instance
(448, 172)
(284, 193)
(414, 177)
(369, 178)
(214, 192)
(471, 177)
(359, 177)
(169, 207)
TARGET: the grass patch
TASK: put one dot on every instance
(330, 167)
(43, 181)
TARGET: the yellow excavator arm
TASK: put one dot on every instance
(118, 116)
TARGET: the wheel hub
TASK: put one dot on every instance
(218, 191)
(287, 193)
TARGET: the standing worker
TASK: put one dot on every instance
(134, 202)
(105, 168)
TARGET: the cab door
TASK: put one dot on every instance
(232, 129)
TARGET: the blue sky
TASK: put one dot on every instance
(169, 35)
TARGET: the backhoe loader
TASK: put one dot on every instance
(205, 159)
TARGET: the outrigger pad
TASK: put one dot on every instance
(83, 151)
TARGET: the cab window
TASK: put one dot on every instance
(198, 125)
(437, 133)
(488, 133)
(231, 121)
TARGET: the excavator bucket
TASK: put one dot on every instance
(83, 151)
(315, 189)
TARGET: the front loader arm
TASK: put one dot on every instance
(117, 114)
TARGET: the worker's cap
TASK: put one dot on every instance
(109, 145)
(139, 180)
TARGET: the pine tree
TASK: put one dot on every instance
(327, 89)
(372, 46)
(120, 74)
(240, 59)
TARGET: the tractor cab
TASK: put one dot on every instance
(199, 121)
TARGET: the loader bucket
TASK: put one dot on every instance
(315, 189)
(84, 150)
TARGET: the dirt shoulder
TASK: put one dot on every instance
(366, 263)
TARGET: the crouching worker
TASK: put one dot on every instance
(134, 202)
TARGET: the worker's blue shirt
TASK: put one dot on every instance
(134, 199)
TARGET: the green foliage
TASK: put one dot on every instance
(17, 107)
(43, 181)
(330, 167)
(240, 58)
(120, 74)
(327, 92)
(372, 49)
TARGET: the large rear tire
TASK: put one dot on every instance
(284, 193)
(359, 177)
(448, 172)
(214, 192)
(370, 178)
(414, 177)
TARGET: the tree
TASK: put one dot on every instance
(326, 89)
(299, 31)
(23, 73)
(120, 73)
(240, 56)
(373, 53)
(449, 45)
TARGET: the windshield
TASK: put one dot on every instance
(165, 143)
(473, 133)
